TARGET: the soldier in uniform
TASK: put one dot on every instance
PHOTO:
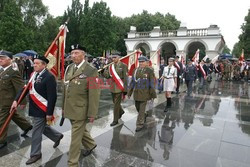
(142, 85)
(117, 75)
(42, 101)
(10, 84)
(80, 102)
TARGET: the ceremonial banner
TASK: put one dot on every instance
(155, 62)
(131, 61)
(196, 57)
(55, 53)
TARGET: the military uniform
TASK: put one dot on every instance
(80, 102)
(122, 70)
(10, 84)
(142, 85)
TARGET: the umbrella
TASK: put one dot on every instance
(30, 52)
(20, 55)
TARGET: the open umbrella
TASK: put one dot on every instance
(30, 52)
(20, 55)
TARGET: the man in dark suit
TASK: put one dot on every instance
(202, 73)
(42, 100)
(10, 84)
(28, 67)
(179, 67)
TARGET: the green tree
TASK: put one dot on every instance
(75, 13)
(13, 33)
(99, 27)
(226, 50)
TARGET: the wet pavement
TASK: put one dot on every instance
(209, 129)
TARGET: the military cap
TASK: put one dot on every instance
(115, 54)
(188, 60)
(43, 58)
(171, 59)
(6, 54)
(77, 47)
(143, 58)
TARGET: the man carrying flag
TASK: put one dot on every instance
(42, 100)
(202, 73)
(117, 74)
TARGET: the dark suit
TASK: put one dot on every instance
(10, 84)
(45, 85)
(179, 73)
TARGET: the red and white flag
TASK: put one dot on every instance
(181, 59)
(55, 53)
(214, 60)
(155, 62)
(196, 57)
(242, 57)
(131, 60)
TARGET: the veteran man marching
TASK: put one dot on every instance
(80, 102)
(142, 85)
(42, 99)
(10, 84)
(117, 75)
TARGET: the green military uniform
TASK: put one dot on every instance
(80, 102)
(122, 70)
(10, 84)
(142, 85)
(227, 71)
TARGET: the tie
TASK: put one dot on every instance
(169, 70)
(36, 76)
(75, 69)
(1, 70)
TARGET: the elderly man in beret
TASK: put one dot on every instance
(80, 102)
(42, 100)
(10, 84)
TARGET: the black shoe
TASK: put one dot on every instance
(138, 129)
(113, 123)
(33, 159)
(26, 131)
(2, 145)
(58, 141)
(87, 152)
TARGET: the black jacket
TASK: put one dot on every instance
(45, 86)
(205, 68)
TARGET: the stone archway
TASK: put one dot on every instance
(144, 47)
(192, 48)
(168, 49)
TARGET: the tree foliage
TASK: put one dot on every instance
(244, 39)
(26, 24)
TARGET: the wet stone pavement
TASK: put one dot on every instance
(209, 129)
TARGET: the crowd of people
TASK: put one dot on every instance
(81, 92)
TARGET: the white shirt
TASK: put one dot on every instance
(172, 73)
(5, 68)
(79, 65)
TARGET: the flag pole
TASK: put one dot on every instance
(62, 29)
(12, 112)
(119, 59)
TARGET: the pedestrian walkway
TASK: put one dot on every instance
(209, 129)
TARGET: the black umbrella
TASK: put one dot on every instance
(20, 55)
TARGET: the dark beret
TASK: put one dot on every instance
(6, 54)
(77, 47)
(43, 58)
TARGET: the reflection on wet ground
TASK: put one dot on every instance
(209, 129)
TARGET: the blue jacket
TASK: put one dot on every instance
(190, 73)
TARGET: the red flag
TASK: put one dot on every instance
(55, 53)
(196, 57)
(241, 59)
(131, 61)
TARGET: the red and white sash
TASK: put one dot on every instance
(40, 101)
(116, 77)
(202, 71)
(177, 66)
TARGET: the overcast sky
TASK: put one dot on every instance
(227, 14)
